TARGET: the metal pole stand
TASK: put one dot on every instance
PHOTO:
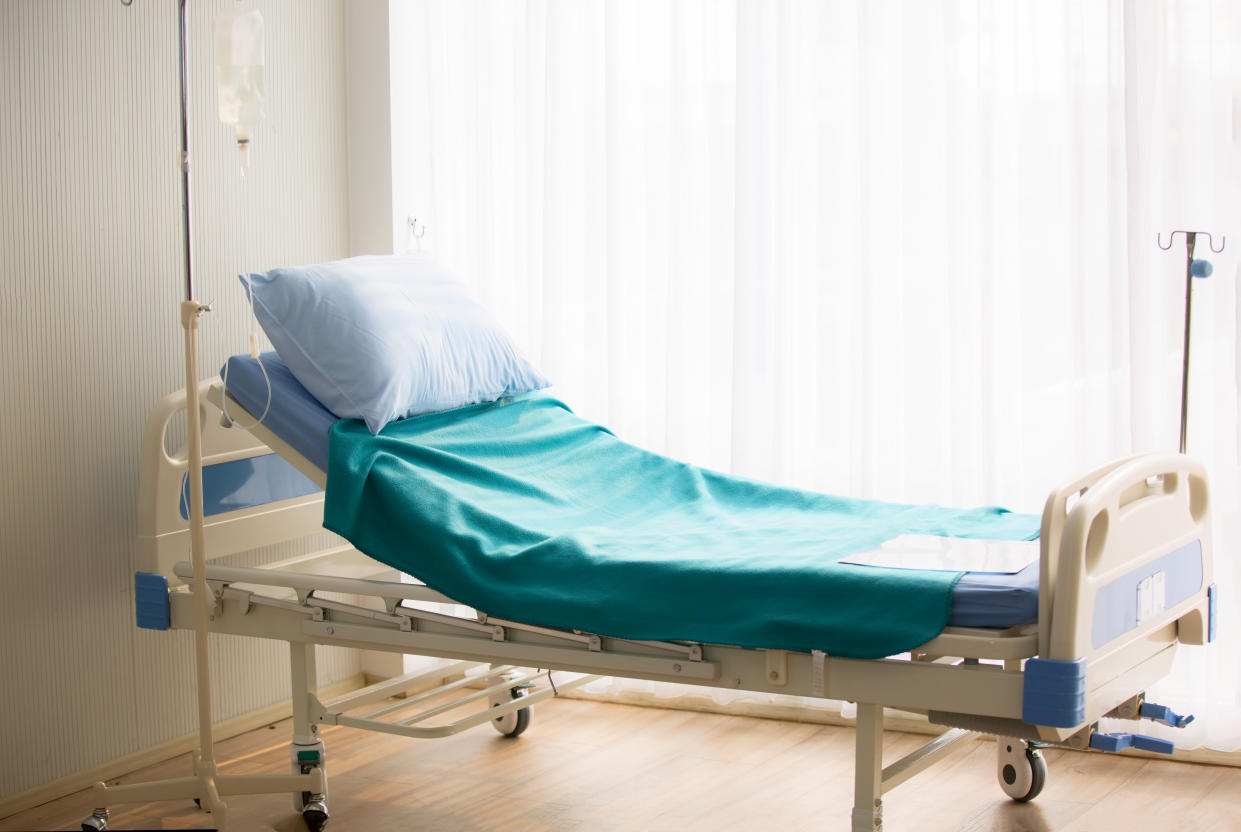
(206, 785)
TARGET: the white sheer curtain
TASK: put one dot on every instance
(888, 249)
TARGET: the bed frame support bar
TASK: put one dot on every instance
(316, 583)
(872, 779)
(496, 671)
(400, 684)
(524, 655)
(917, 761)
(407, 728)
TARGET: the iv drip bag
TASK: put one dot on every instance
(239, 70)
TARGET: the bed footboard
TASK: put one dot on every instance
(1126, 575)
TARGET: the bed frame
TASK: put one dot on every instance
(1126, 575)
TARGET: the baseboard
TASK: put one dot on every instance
(62, 786)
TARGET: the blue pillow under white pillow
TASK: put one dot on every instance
(382, 338)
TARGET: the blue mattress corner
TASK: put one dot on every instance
(295, 415)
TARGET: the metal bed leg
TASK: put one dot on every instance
(305, 685)
(307, 749)
(868, 769)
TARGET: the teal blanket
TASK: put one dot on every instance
(523, 510)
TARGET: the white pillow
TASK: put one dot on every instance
(382, 338)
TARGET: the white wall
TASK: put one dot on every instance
(389, 151)
(410, 113)
(90, 279)
(370, 136)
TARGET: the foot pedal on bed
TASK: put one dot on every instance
(1164, 714)
(1119, 742)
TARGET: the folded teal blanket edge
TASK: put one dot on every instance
(526, 511)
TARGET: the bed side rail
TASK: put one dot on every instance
(1132, 559)
(253, 497)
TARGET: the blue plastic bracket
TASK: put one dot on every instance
(1119, 742)
(1054, 693)
(1164, 714)
(151, 606)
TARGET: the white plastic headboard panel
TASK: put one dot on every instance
(243, 515)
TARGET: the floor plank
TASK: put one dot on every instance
(598, 766)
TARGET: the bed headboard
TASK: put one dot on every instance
(251, 496)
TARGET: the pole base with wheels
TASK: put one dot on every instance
(208, 788)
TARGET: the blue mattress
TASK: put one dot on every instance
(978, 599)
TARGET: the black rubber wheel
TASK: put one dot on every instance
(315, 819)
(1038, 775)
(523, 722)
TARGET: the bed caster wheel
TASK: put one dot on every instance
(515, 723)
(315, 814)
(1020, 768)
(96, 822)
(306, 758)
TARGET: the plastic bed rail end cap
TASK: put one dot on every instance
(1054, 693)
(151, 605)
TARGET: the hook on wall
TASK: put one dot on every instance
(1190, 239)
(417, 230)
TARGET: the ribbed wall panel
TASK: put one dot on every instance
(91, 259)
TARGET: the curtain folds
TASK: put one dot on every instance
(901, 250)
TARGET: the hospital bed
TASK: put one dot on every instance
(1124, 575)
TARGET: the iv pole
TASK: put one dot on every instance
(206, 785)
(1194, 268)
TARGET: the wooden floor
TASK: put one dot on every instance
(594, 766)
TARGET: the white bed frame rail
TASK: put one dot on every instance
(1113, 525)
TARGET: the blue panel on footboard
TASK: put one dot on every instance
(1146, 591)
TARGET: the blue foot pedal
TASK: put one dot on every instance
(1164, 714)
(1119, 742)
